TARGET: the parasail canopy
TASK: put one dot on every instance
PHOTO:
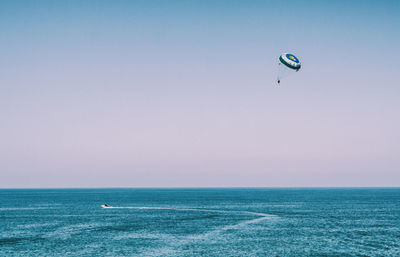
(290, 61)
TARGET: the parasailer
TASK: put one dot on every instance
(287, 64)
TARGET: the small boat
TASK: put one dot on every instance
(106, 206)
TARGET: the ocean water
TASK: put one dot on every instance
(200, 222)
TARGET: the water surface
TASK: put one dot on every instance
(200, 222)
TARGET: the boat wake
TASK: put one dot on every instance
(263, 215)
(218, 232)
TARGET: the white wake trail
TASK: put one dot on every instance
(264, 216)
(178, 242)
(190, 209)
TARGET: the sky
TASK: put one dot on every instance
(184, 94)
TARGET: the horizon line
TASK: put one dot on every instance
(222, 187)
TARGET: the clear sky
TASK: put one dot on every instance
(182, 93)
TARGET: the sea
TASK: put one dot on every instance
(200, 222)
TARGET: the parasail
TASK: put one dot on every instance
(288, 63)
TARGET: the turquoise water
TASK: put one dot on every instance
(200, 222)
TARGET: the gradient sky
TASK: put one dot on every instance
(182, 93)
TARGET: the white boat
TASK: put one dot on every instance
(106, 206)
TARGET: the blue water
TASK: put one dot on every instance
(200, 222)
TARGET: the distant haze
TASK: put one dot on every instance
(183, 94)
